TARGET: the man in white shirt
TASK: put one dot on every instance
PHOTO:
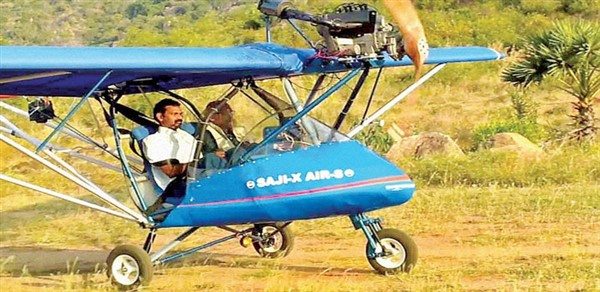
(170, 149)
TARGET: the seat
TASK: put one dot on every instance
(149, 189)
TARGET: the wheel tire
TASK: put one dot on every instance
(404, 252)
(280, 245)
(128, 267)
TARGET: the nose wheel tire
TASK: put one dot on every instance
(129, 267)
(275, 241)
(399, 252)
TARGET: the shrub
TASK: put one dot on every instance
(590, 7)
(525, 108)
(544, 7)
(376, 138)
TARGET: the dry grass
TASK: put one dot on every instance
(469, 238)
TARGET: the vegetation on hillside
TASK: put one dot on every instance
(481, 108)
(203, 22)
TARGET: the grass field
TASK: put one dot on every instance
(541, 238)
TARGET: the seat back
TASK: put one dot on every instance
(150, 191)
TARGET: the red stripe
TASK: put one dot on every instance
(401, 178)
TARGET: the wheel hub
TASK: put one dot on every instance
(125, 270)
(270, 243)
(394, 254)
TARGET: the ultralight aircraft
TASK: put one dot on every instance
(301, 169)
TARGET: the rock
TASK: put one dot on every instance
(512, 142)
(424, 144)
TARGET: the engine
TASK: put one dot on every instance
(352, 30)
(360, 31)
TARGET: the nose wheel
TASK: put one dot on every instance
(129, 267)
(389, 251)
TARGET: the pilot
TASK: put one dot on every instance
(221, 140)
(169, 150)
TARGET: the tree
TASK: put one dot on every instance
(570, 53)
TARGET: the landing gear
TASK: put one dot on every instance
(389, 251)
(129, 266)
(272, 240)
(399, 252)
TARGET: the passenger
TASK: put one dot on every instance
(221, 140)
(169, 151)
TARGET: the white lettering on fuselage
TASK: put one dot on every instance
(298, 177)
(282, 179)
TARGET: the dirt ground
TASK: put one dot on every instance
(468, 239)
(315, 264)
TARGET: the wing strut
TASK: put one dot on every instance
(93, 189)
(355, 91)
(308, 125)
(65, 197)
(395, 100)
(72, 112)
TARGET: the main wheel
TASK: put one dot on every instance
(275, 241)
(400, 252)
(129, 266)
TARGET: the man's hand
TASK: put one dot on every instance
(220, 153)
(172, 167)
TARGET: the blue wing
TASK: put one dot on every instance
(73, 71)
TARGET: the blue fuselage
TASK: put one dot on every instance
(332, 179)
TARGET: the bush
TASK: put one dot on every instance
(136, 9)
(537, 6)
(376, 138)
(591, 7)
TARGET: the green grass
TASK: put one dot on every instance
(558, 165)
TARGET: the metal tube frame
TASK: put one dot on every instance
(395, 100)
(48, 151)
(65, 197)
(99, 193)
(315, 89)
(305, 111)
(154, 257)
(195, 249)
(124, 162)
(157, 257)
(77, 136)
(350, 101)
(293, 97)
(268, 22)
(72, 112)
(17, 132)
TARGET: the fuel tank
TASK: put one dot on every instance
(332, 179)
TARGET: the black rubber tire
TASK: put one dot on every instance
(285, 236)
(397, 239)
(142, 260)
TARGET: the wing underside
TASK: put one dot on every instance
(73, 71)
